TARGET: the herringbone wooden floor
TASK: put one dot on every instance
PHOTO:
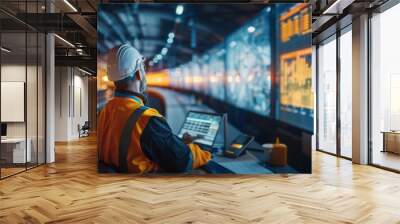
(71, 191)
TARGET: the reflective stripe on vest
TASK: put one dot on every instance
(125, 138)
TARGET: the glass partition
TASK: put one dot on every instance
(14, 153)
(22, 90)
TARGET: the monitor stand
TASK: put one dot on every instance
(221, 141)
(225, 124)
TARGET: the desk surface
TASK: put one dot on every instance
(245, 164)
(391, 132)
(13, 140)
(177, 107)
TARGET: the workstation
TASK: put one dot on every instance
(248, 90)
(13, 152)
(22, 78)
(233, 151)
(221, 138)
(16, 148)
(260, 88)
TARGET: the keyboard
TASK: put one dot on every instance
(198, 127)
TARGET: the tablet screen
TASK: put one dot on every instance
(203, 125)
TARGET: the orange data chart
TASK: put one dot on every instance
(295, 22)
(295, 79)
(296, 98)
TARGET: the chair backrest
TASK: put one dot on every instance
(86, 125)
(156, 101)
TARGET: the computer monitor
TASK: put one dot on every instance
(201, 124)
(3, 129)
(248, 66)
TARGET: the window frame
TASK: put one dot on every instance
(335, 36)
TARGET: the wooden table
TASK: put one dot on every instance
(391, 141)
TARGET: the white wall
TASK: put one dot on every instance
(61, 103)
(80, 110)
(33, 127)
(71, 94)
(13, 73)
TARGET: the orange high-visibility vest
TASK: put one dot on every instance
(111, 122)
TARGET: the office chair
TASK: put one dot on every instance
(84, 130)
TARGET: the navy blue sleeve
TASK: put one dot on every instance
(161, 146)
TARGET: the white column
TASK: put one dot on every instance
(63, 103)
(360, 90)
(50, 94)
(314, 90)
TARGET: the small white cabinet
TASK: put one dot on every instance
(13, 150)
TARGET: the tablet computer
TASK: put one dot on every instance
(201, 125)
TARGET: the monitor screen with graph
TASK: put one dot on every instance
(295, 99)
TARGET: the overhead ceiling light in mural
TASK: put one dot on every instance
(5, 50)
(86, 72)
(251, 29)
(70, 5)
(179, 10)
(64, 40)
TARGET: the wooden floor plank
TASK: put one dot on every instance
(71, 191)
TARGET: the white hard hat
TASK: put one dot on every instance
(124, 61)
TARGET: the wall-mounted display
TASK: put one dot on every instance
(217, 73)
(248, 64)
(238, 71)
(296, 99)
